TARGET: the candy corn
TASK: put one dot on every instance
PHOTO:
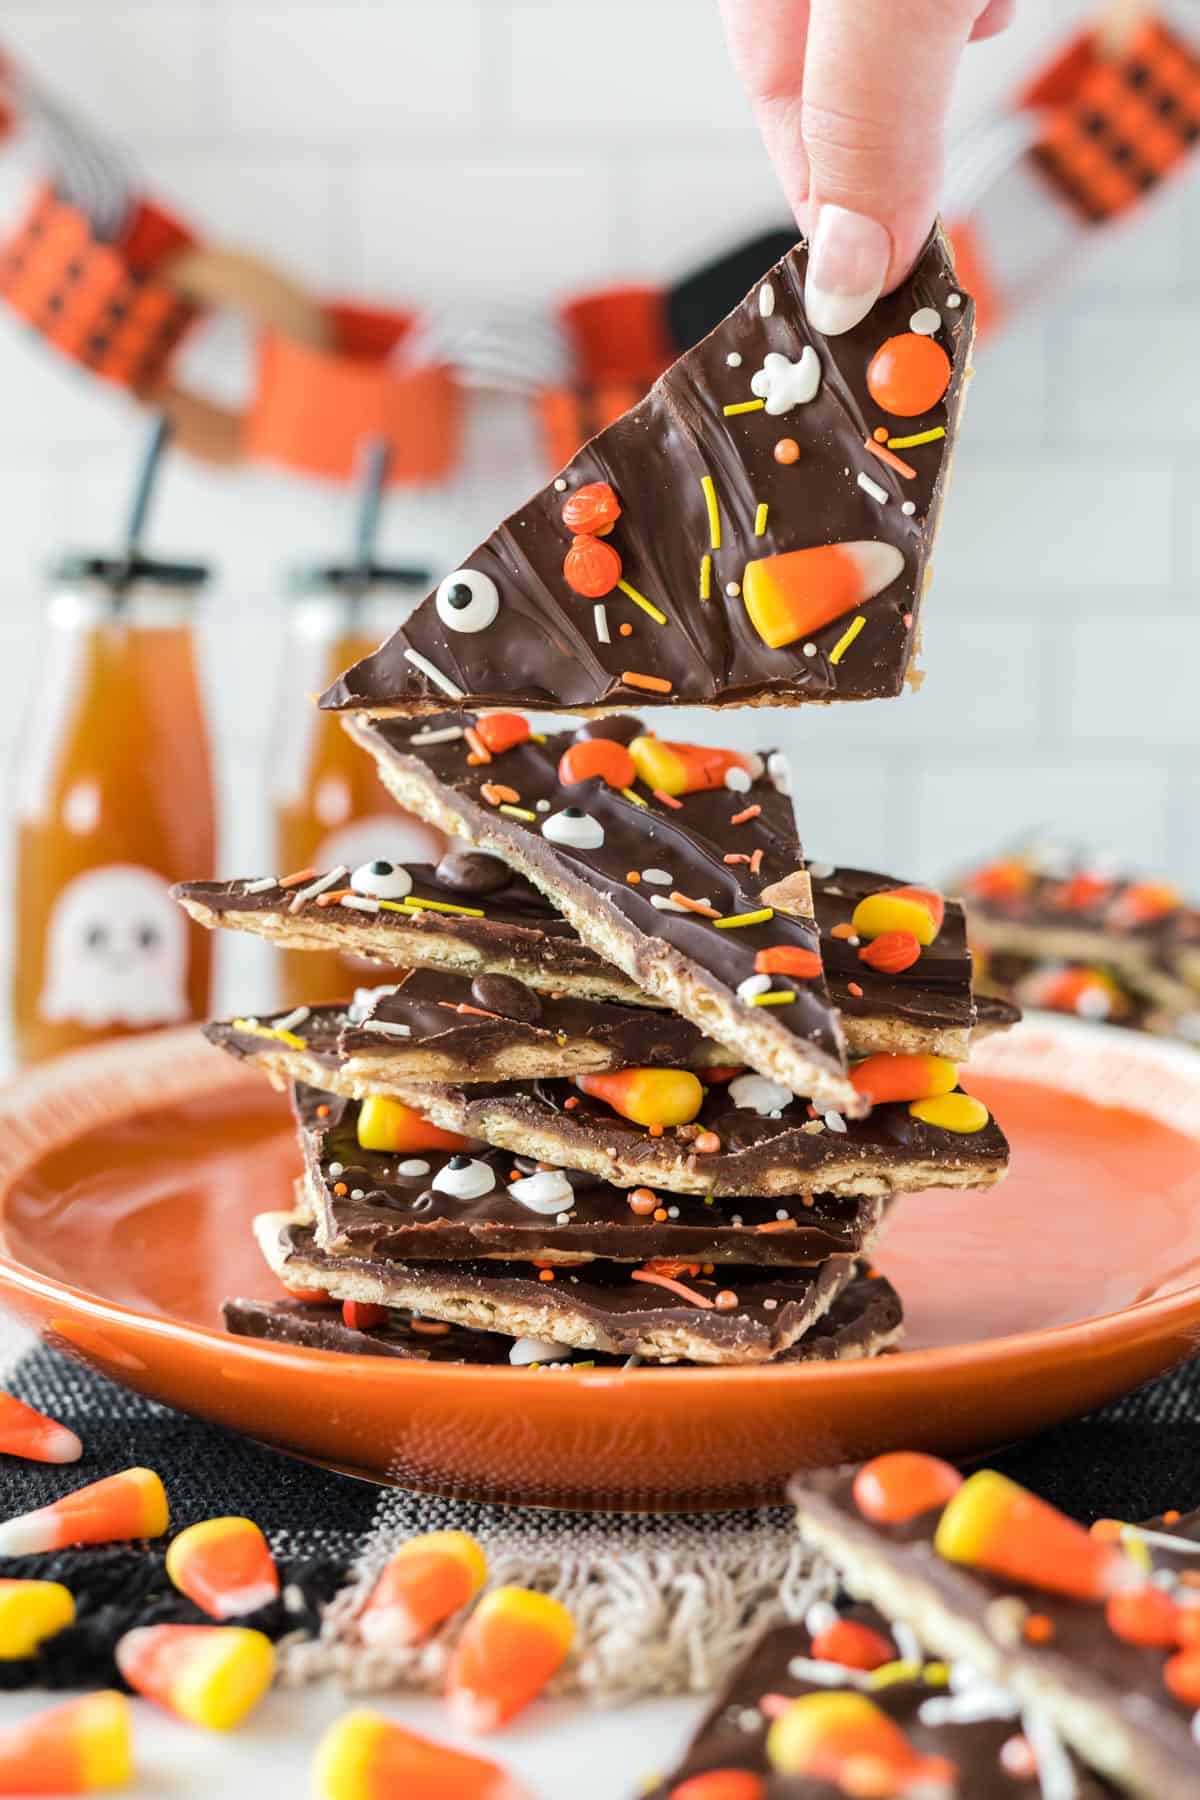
(793, 595)
(79, 1748)
(1075, 988)
(132, 1504)
(211, 1675)
(898, 1077)
(1006, 879)
(991, 1523)
(24, 1432)
(918, 910)
(510, 1647)
(846, 1740)
(952, 1112)
(363, 1756)
(224, 1566)
(722, 1784)
(908, 374)
(426, 1580)
(648, 1096)
(597, 756)
(852, 1644)
(687, 768)
(390, 1125)
(30, 1612)
(902, 1484)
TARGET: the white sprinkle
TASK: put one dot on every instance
(925, 321)
(434, 674)
(672, 1212)
(541, 806)
(766, 300)
(359, 903)
(290, 1020)
(737, 780)
(336, 1168)
(600, 620)
(820, 871)
(413, 1169)
(444, 734)
(563, 1219)
(820, 1616)
(908, 508)
(779, 769)
(905, 1639)
(810, 649)
(825, 1674)
(770, 1305)
(736, 1219)
(560, 486)
(1196, 1727)
(632, 1362)
(734, 360)
(970, 1706)
(784, 1217)
(755, 1093)
(750, 1719)
(537, 1350)
(260, 886)
(293, 1598)
(733, 589)
(1056, 1776)
(1162, 1540)
(834, 1121)
(657, 877)
(357, 1194)
(386, 1029)
(953, 300)
(873, 488)
(754, 984)
(318, 886)
(252, 1021)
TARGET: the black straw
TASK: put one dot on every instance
(374, 459)
(139, 508)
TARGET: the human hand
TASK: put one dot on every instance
(851, 98)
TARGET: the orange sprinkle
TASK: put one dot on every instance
(890, 458)
(668, 1265)
(654, 1131)
(323, 1110)
(708, 1143)
(474, 1012)
(736, 856)
(852, 987)
(642, 1202)
(842, 931)
(478, 747)
(881, 434)
(1038, 1629)
(695, 906)
(571, 1102)
(775, 1225)
(474, 759)
(756, 862)
(660, 1213)
(1107, 1530)
(496, 794)
(633, 878)
(340, 1189)
(1172, 1516)
(287, 881)
(429, 1327)
(667, 799)
(750, 812)
(726, 1300)
(545, 1274)
(650, 684)
(673, 1287)
(332, 895)
(787, 450)
(625, 628)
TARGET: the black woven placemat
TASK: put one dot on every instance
(1129, 1460)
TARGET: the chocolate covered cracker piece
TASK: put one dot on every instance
(978, 1730)
(762, 521)
(737, 1315)
(1086, 1668)
(581, 840)
(444, 1204)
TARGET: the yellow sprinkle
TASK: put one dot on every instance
(714, 517)
(582, 1365)
(936, 1674)
(411, 904)
(537, 737)
(843, 644)
(918, 437)
(518, 812)
(780, 998)
(631, 593)
(751, 918)
(891, 1674)
(1137, 1553)
(705, 576)
(760, 519)
(743, 406)
(270, 1031)
(630, 795)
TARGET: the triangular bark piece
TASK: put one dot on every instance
(755, 532)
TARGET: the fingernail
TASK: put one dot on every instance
(848, 262)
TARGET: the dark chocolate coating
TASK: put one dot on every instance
(542, 649)
(511, 999)
(466, 872)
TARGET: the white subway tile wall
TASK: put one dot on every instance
(520, 149)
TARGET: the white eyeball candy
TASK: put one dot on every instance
(467, 601)
(547, 1192)
(382, 880)
(574, 828)
(463, 1178)
(754, 1093)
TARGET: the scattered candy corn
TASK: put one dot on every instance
(901, 1077)
(992, 1523)
(918, 910)
(845, 1738)
(793, 595)
(687, 768)
(1006, 879)
(426, 1580)
(1089, 992)
(597, 756)
(722, 1784)
(363, 1756)
(78, 1748)
(852, 1644)
(132, 1504)
(648, 1096)
(952, 1112)
(211, 1675)
(385, 1124)
(908, 374)
(24, 1432)
(30, 1612)
(224, 1566)
(902, 1484)
(510, 1647)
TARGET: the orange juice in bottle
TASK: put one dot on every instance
(114, 802)
(329, 805)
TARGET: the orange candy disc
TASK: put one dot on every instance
(591, 508)
(853, 1645)
(891, 952)
(1182, 1676)
(512, 1644)
(597, 756)
(1143, 1615)
(788, 959)
(792, 595)
(899, 1077)
(502, 731)
(425, 1581)
(902, 1484)
(722, 1784)
(908, 374)
(591, 568)
(30, 1434)
(848, 1741)
(992, 1523)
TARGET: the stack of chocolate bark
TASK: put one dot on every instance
(614, 1110)
(1059, 929)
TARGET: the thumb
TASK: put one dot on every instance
(877, 81)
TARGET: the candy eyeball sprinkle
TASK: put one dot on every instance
(464, 1178)
(574, 828)
(754, 1093)
(382, 880)
(468, 600)
(547, 1191)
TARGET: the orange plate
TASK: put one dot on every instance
(129, 1174)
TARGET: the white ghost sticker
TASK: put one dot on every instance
(116, 951)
